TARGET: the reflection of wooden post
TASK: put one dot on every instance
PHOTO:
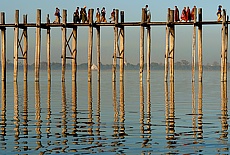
(64, 20)
(25, 109)
(200, 111)
(224, 111)
(200, 63)
(3, 57)
(141, 110)
(122, 58)
(38, 46)
(172, 112)
(115, 108)
(48, 50)
(16, 30)
(115, 46)
(167, 47)
(194, 46)
(90, 112)
(142, 45)
(74, 54)
(193, 109)
(64, 113)
(16, 112)
(166, 110)
(90, 45)
(172, 45)
(25, 48)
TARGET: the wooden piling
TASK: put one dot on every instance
(226, 51)
(142, 44)
(16, 31)
(115, 46)
(223, 47)
(25, 48)
(74, 54)
(3, 55)
(122, 57)
(167, 47)
(172, 45)
(48, 49)
(38, 45)
(90, 45)
(3, 61)
(200, 61)
(98, 53)
(148, 52)
(64, 20)
(194, 46)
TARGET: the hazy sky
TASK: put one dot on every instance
(132, 8)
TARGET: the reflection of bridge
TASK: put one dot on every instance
(118, 43)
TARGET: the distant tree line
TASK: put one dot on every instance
(179, 65)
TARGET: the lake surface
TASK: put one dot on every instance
(83, 118)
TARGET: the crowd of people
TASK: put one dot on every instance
(187, 15)
(80, 16)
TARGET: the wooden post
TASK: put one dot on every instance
(194, 46)
(200, 63)
(148, 52)
(90, 45)
(74, 54)
(172, 45)
(38, 45)
(223, 46)
(3, 57)
(16, 30)
(64, 20)
(226, 51)
(48, 49)
(98, 53)
(142, 45)
(122, 58)
(167, 47)
(25, 48)
(3, 60)
(115, 46)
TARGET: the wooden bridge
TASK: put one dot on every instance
(119, 43)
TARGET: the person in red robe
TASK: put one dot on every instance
(183, 15)
(188, 15)
(176, 14)
(193, 12)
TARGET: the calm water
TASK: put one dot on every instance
(155, 117)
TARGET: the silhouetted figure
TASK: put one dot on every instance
(76, 17)
(103, 12)
(57, 16)
(188, 14)
(112, 16)
(183, 15)
(98, 16)
(147, 13)
(193, 13)
(176, 14)
(219, 15)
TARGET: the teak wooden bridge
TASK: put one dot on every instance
(119, 43)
